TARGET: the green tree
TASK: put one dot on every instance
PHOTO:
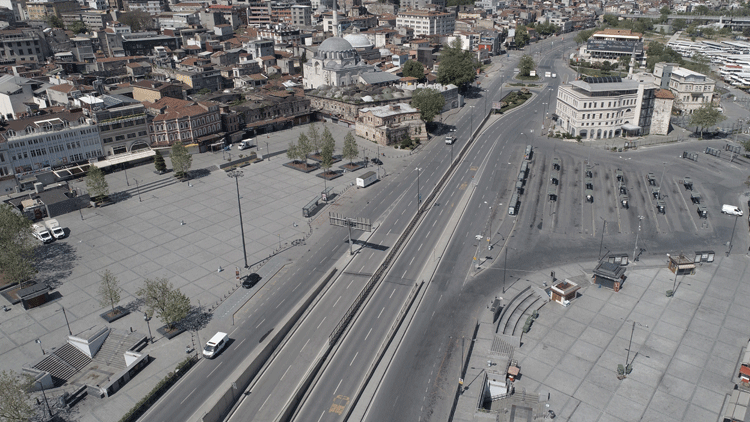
(522, 36)
(706, 116)
(709, 33)
(526, 65)
(304, 147)
(611, 20)
(327, 149)
(162, 298)
(292, 151)
(159, 163)
(700, 10)
(97, 185)
(456, 66)
(664, 12)
(138, 20)
(699, 63)
(78, 27)
(606, 66)
(679, 24)
(429, 102)
(17, 245)
(181, 160)
(351, 150)
(55, 21)
(414, 69)
(745, 145)
(313, 136)
(584, 36)
(109, 290)
(15, 405)
(658, 52)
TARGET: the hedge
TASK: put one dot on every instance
(145, 403)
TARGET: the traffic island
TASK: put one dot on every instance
(300, 166)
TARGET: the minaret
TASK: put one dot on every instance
(335, 20)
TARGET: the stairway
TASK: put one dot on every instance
(519, 308)
(63, 363)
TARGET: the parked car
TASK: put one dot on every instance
(251, 280)
(377, 161)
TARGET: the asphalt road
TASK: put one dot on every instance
(420, 383)
(342, 377)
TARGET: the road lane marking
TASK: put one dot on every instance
(337, 387)
(441, 296)
(381, 312)
(264, 320)
(303, 347)
(287, 370)
(321, 322)
(186, 397)
(368, 334)
(277, 306)
(350, 283)
(337, 301)
(355, 357)
(419, 248)
(363, 267)
(321, 415)
(404, 273)
(212, 371)
(264, 403)
(238, 346)
(394, 291)
(412, 260)
(389, 232)
(300, 283)
(433, 224)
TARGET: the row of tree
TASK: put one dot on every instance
(322, 145)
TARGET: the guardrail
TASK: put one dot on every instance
(396, 249)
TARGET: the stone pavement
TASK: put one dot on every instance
(685, 350)
(160, 227)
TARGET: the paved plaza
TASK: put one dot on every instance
(184, 231)
(685, 350)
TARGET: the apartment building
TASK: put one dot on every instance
(123, 128)
(427, 22)
(40, 142)
(389, 124)
(8, 182)
(152, 7)
(22, 45)
(93, 19)
(607, 107)
(40, 10)
(184, 121)
(281, 34)
(692, 90)
(301, 15)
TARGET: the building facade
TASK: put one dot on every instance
(301, 15)
(692, 90)
(22, 45)
(42, 142)
(427, 22)
(390, 124)
(607, 107)
(336, 63)
(183, 121)
(40, 10)
(122, 129)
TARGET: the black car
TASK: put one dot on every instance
(250, 280)
(377, 161)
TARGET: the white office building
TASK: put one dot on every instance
(427, 22)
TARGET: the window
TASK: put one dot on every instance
(119, 137)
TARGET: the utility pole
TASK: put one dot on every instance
(236, 174)
(640, 218)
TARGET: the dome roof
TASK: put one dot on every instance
(358, 41)
(335, 44)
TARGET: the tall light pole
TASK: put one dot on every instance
(147, 318)
(138, 188)
(126, 174)
(66, 320)
(640, 218)
(49, 411)
(39, 342)
(505, 267)
(630, 343)
(732, 238)
(236, 174)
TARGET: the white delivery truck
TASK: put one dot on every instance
(366, 179)
(41, 233)
(217, 343)
(547, 74)
(246, 143)
(54, 227)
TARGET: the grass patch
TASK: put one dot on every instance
(527, 78)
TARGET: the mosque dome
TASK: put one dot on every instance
(335, 45)
(358, 41)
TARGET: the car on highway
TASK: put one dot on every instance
(449, 140)
(251, 280)
(731, 210)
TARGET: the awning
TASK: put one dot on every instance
(628, 126)
(124, 158)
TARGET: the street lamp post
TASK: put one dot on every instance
(630, 343)
(126, 174)
(147, 318)
(39, 342)
(66, 320)
(236, 174)
(505, 267)
(49, 411)
(640, 218)
(138, 188)
(732, 238)
(663, 169)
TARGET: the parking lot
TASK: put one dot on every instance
(560, 206)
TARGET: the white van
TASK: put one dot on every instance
(731, 210)
(217, 343)
(245, 144)
(449, 140)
